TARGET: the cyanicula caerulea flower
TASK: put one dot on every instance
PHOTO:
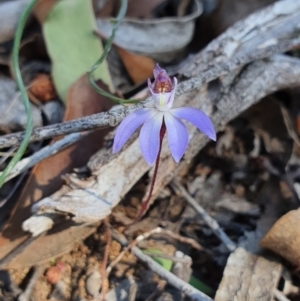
(152, 119)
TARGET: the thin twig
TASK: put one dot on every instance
(212, 223)
(105, 119)
(44, 153)
(146, 235)
(173, 258)
(133, 288)
(159, 289)
(173, 280)
(116, 261)
(280, 296)
(9, 153)
(13, 190)
(289, 124)
(176, 236)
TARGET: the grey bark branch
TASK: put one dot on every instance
(106, 119)
(276, 22)
(211, 222)
(43, 153)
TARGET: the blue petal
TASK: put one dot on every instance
(129, 125)
(197, 118)
(150, 138)
(178, 136)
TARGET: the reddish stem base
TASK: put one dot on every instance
(146, 202)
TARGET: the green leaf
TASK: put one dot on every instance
(168, 263)
(72, 44)
(199, 285)
(164, 262)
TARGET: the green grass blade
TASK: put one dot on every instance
(18, 77)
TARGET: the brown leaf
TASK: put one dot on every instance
(45, 177)
(139, 67)
(142, 8)
(42, 9)
(135, 9)
(106, 9)
(41, 88)
(58, 241)
(284, 237)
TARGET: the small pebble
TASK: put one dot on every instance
(93, 283)
(53, 275)
(59, 292)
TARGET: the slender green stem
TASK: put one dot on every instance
(20, 84)
(106, 50)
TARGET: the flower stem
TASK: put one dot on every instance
(146, 202)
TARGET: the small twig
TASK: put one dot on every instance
(133, 288)
(186, 240)
(146, 235)
(155, 267)
(12, 103)
(13, 190)
(212, 223)
(26, 295)
(289, 125)
(9, 153)
(103, 272)
(173, 258)
(159, 289)
(103, 120)
(116, 261)
(176, 236)
(173, 280)
(280, 296)
(44, 153)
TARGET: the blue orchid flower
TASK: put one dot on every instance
(153, 119)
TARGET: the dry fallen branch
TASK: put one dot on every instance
(113, 117)
(212, 223)
(259, 36)
(43, 153)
